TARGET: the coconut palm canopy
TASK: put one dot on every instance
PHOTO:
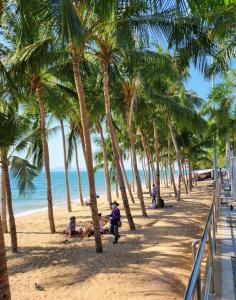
(112, 73)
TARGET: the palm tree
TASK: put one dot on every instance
(130, 90)
(105, 160)
(156, 146)
(60, 111)
(170, 165)
(32, 53)
(70, 21)
(13, 138)
(114, 143)
(73, 147)
(65, 166)
(4, 284)
(4, 202)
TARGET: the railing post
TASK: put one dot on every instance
(211, 264)
(213, 223)
(197, 294)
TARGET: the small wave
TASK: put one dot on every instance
(30, 212)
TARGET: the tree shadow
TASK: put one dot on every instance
(157, 256)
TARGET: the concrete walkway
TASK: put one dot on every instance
(226, 248)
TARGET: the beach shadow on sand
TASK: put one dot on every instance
(154, 258)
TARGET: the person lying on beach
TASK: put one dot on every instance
(71, 228)
(89, 229)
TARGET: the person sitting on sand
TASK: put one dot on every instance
(71, 228)
(102, 223)
(115, 219)
(89, 229)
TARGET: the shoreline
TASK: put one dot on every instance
(76, 201)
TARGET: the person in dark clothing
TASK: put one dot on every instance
(115, 219)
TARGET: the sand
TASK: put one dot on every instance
(154, 262)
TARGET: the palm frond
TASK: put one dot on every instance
(24, 173)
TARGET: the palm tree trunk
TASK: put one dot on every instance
(144, 172)
(12, 223)
(166, 176)
(115, 149)
(65, 167)
(4, 202)
(172, 133)
(135, 167)
(39, 95)
(106, 170)
(184, 179)
(148, 162)
(152, 168)
(186, 173)
(4, 280)
(117, 190)
(79, 130)
(190, 180)
(156, 146)
(163, 175)
(132, 169)
(79, 175)
(151, 165)
(170, 166)
(88, 148)
(123, 168)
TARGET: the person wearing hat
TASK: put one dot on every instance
(115, 219)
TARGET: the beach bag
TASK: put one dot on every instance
(119, 223)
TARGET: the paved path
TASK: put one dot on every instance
(226, 248)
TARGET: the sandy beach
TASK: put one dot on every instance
(153, 262)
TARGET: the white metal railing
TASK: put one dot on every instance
(198, 288)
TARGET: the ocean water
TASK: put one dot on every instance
(38, 199)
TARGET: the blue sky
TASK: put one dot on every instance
(196, 83)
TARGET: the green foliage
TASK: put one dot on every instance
(24, 173)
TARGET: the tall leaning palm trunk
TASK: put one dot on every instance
(79, 175)
(170, 166)
(190, 176)
(88, 147)
(39, 95)
(125, 177)
(12, 223)
(178, 157)
(132, 169)
(135, 166)
(129, 104)
(4, 281)
(3, 202)
(144, 172)
(65, 167)
(148, 162)
(156, 146)
(105, 160)
(115, 150)
(184, 175)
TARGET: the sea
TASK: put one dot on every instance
(36, 201)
